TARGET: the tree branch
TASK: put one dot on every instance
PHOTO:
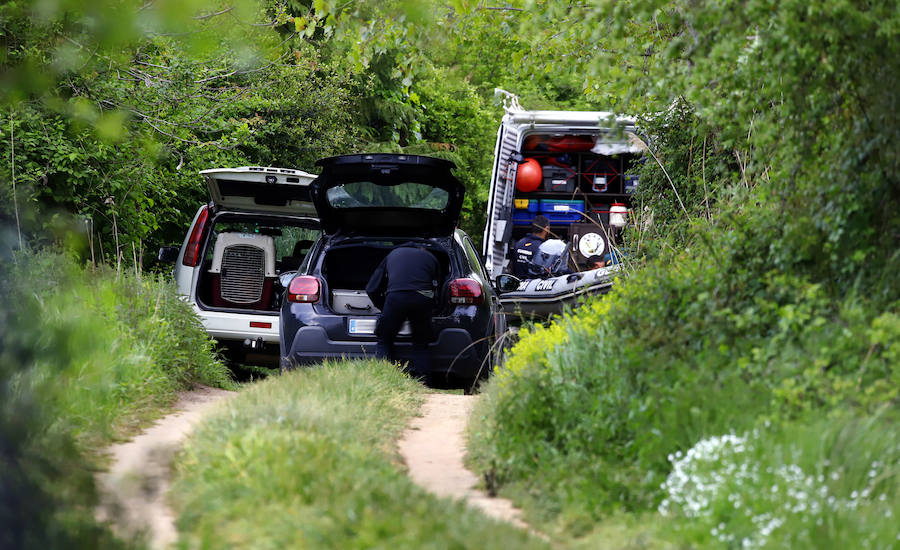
(211, 15)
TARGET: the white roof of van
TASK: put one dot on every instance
(515, 114)
(585, 118)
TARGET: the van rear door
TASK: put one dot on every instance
(261, 190)
(498, 228)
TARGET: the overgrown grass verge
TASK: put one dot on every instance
(589, 416)
(86, 356)
(103, 347)
(308, 460)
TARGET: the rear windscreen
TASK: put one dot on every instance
(264, 193)
(366, 194)
(289, 240)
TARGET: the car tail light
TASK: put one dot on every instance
(466, 291)
(303, 289)
(192, 251)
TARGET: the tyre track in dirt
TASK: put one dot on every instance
(433, 448)
(134, 489)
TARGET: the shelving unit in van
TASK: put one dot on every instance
(575, 183)
(587, 159)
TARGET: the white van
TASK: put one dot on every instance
(581, 172)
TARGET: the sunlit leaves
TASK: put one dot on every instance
(172, 102)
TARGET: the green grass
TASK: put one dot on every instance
(549, 429)
(85, 358)
(578, 424)
(818, 485)
(104, 350)
(308, 460)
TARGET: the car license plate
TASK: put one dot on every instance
(364, 326)
(361, 326)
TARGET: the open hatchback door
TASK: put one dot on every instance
(261, 190)
(387, 194)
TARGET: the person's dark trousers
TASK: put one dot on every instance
(398, 307)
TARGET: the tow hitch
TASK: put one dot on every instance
(253, 344)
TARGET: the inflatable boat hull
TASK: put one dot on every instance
(538, 298)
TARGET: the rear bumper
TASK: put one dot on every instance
(452, 353)
(223, 325)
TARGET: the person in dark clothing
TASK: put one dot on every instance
(596, 262)
(403, 287)
(523, 266)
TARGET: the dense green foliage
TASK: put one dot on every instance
(765, 293)
(829, 484)
(118, 137)
(308, 460)
(84, 355)
(763, 268)
(110, 110)
(618, 386)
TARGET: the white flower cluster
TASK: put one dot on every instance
(694, 479)
(717, 472)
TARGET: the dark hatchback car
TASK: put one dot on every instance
(369, 204)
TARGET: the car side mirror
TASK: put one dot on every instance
(507, 283)
(168, 254)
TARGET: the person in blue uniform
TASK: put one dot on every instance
(403, 287)
(526, 248)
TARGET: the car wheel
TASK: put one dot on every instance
(493, 355)
(473, 386)
(285, 365)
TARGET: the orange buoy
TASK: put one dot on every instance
(529, 175)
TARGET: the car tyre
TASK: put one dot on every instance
(473, 386)
(285, 365)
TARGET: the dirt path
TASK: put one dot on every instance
(134, 489)
(433, 448)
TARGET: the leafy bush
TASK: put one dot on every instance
(105, 345)
(692, 345)
(688, 174)
(83, 355)
(779, 304)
